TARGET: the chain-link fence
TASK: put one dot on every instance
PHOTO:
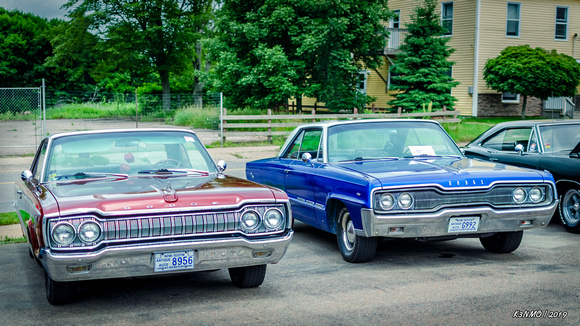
(21, 111)
(147, 103)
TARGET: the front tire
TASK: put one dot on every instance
(248, 277)
(353, 248)
(570, 210)
(59, 292)
(502, 242)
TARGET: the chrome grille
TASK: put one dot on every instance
(168, 226)
(433, 199)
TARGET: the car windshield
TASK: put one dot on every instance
(557, 138)
(122, 154)
(390, 140)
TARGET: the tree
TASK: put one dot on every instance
(423, 69)
(157, 34)
(270, 50)
(24, 45)
(532, 71)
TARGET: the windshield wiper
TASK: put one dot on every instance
(89, 175)
(359, 159)
(165, 171)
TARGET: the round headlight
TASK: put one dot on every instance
(405, 200)
(519, 195)
(63, 234)
(250, 220)
(536, 195)
(89, 232)
(273, 218)
(386, 201)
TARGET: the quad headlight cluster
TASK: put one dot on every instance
(271, 219)
(526, 195)
(64, 233)
(388, 201)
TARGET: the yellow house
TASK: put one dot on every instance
(480, 30)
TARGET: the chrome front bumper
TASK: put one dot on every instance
(436, 224)
(138, 260)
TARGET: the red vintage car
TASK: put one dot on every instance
(124, 203)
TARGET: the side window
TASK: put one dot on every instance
(533, 144)
(507, 97)
(447, 17)
(39, 160)
(561, 23)
(513, 19)
(307, 141)
(506, 140)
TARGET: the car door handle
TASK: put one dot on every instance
(286, 171)
(493, 159)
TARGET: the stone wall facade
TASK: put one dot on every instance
(490, 105)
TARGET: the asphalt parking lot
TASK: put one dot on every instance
(408, 283)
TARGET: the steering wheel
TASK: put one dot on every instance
(167, 163)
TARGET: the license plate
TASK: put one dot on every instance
(172, 261)
(463, 224)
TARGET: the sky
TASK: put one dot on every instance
(43, 8)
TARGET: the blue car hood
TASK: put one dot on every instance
(446, 172)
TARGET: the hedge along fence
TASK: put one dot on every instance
(263, 125)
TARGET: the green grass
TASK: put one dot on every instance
(8, 240)
(8, 218)
(91, 111)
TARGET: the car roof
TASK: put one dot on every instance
(330, 123)
(533, 122)
(111, 131)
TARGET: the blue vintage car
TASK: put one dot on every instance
(369, 179)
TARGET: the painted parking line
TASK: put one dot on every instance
(6, 183)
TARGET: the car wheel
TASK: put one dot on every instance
(570, 210)
(59, 292)
(248, 277)
(353, 248)
(502, 242)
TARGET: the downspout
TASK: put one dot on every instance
(474, 95)
(574, 45)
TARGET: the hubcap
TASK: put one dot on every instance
(571, 204)
(348, 234)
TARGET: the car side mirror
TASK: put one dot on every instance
(520, 148)
(222, 166)
(307, 158)
(26, 175)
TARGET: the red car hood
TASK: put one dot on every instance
(138, 195)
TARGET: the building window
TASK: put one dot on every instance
(447, 17)
(507, 97)
(391, 75)
(513, 19)
(361, 85)
(561, 23)
(394, 22)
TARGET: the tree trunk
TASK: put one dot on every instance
(525, 100)
(164, 75)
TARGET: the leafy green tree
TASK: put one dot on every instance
(270, 50)
(423, 68)
(532, 71)
(24, 45)
(145, 36)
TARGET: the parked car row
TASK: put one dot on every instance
(124, 203)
